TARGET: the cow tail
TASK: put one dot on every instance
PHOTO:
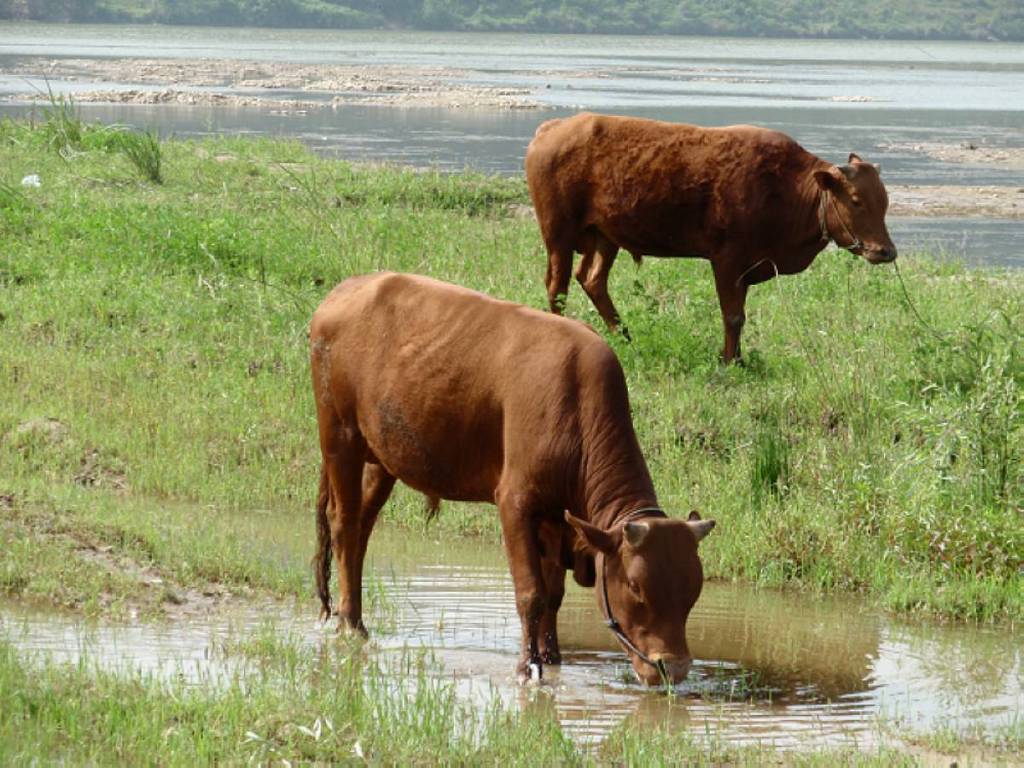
(322, 558)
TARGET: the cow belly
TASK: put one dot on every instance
(437, 452)
(658, 230)
(640, 245)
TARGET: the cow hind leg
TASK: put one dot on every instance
(377, 487)
(344, 454)
(593, 273)
(557, 278)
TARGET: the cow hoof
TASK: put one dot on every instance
(551, 657)
(531, 673)
(352, 629)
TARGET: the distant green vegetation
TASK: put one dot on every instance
(846, 19)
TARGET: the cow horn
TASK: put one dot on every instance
(636, 532)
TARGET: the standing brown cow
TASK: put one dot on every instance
(464, 397)
(750, 200)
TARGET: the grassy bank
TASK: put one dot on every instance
(154, 392)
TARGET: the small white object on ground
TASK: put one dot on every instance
(32, 180)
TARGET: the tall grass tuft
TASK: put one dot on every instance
(143, 150)
(63, 129)
(770, 468)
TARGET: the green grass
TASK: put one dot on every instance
(992, 745)
(289, 703)
(164, 327)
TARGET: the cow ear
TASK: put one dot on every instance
(854, 158)
(595, 539)
(833, 179)
(700, 528)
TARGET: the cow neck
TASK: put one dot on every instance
(615, 482)
(814, 201)
(612, 475)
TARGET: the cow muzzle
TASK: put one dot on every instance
(667, 669)
(878, 254)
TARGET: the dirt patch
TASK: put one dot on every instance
(999, 202)
(96, 472)
(967, 152)
(48, 429)
(215, 82)
(169, 599)
(194, 98)
(143, 587)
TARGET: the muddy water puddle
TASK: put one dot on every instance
(788, 670)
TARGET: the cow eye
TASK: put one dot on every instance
(634, 588)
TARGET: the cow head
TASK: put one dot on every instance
(854, 209)
(653, 577)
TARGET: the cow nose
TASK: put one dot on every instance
(881, 254)
(676, 668)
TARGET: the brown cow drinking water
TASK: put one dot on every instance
(468, 398)
(750, 200)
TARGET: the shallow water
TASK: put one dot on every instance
(789, 670)
(874, 97)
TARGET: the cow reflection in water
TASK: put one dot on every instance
(773, 665)
(468, 398)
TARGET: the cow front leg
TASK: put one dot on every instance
(554, 592)
(732, 298)
(522, 550)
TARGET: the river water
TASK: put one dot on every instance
(771, 668)
(881, 99)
